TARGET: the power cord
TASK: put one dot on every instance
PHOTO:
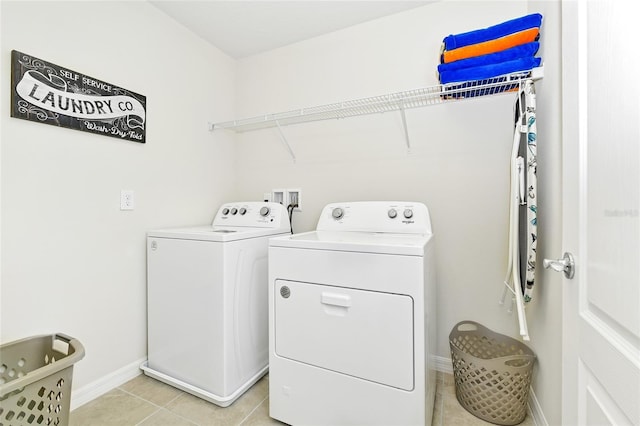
(290, 208)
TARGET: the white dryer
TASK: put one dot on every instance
(207, 301)
(352, 318)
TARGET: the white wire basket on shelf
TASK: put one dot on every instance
(488, 87)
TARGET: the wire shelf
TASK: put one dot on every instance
(399, 101)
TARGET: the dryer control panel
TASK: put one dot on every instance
(402, 217)
(252, 214)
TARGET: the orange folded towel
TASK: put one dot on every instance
(491, 46)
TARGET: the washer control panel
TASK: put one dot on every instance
(376, 216)
(252, 213)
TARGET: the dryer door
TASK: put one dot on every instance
(365, 334)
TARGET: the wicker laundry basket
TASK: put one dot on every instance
(492, 373)
(35, 380)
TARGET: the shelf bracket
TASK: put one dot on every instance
(285, 142)
(406, 131)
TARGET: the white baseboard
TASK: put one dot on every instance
(89, 392)
(443, 364)
(535, 410)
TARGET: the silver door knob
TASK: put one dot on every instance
(566, 265)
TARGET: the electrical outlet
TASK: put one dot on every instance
(266, 197)
(126, 199)
(294, 196)
(278, 196)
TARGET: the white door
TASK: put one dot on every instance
(601, 193)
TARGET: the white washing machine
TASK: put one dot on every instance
(207, 301)
(352, 318)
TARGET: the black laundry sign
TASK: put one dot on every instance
(47, 93)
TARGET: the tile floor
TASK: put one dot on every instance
(147, 402)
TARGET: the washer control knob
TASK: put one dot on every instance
(243, 211)
(337, 213)
(225, 211)
(392, 213)
(264, 211)
(408, 213)
(234, 210)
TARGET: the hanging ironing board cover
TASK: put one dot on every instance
(523, 209)
(530, 225)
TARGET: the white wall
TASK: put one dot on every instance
(458, 165)
(71, 260)
(545, 312)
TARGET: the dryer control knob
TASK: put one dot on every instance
(392, 213)
(408, 213)
(264, 211)
(225, 211)
(337, 213)
(234, 210)
(243, 211)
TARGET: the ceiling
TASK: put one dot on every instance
(244, 28)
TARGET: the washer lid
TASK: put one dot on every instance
(214, 233)
(364, 242)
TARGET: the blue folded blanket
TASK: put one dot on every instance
(491, 33)
(483, 72)
(517, 52)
